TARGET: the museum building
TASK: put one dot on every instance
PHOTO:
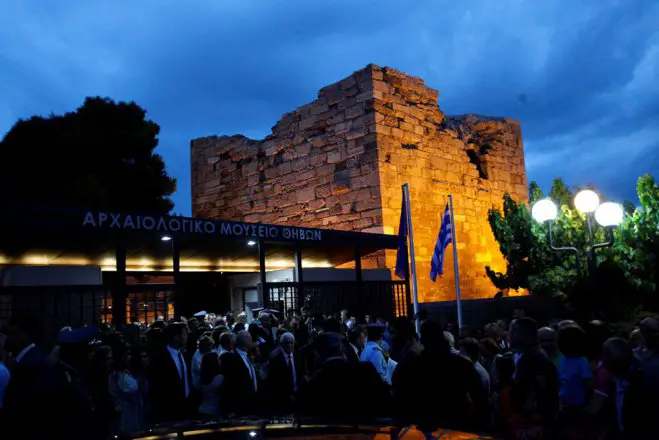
(72, 267)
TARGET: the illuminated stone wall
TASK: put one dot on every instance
(339, 162)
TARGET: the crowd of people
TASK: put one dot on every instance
(564, 380)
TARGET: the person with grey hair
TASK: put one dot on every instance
(450, 339)
(285, 374)
(287, 340)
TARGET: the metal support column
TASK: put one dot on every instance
(119, 294)
(179, 300)
(299, 278)
(358, 266)
(263, 281)
(590, 255)
(361, 296)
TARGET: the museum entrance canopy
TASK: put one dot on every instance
(39, 236)
(191, 261)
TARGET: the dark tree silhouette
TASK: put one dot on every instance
(101, 156)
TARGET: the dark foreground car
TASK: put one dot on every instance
(283, 429)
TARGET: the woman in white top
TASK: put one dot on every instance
(210, 380)
(125, 392)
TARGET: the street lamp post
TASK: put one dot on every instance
(607, 215)
(545, 210)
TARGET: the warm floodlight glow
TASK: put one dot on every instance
(166, 238)
(544, 210)
(587, 201)
(609, 214)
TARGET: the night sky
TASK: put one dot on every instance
(581, 76)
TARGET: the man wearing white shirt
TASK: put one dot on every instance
(169, 378)
(356, 342)
(241, 381)
(285, 374)
(287, 342)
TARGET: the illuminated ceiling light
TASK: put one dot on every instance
(587, 201)
(609, 214)
(251, 243)
(194, 269)
(35, 259)
(544, 210)
(165, 238)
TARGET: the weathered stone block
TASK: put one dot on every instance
(322, 192)
(355, 111)
(303, 149)
(364, 96)
(356, 133)
(284, 168)
(305, 195)
(343, 127)
(338, 188)
(334, 157)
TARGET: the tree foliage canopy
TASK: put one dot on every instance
(637, 239)
(625, 273)
(101, 156)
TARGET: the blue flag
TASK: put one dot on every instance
(445, 237)
(402, 267)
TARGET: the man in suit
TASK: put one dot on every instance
(326, 392)
(285, 375)
(169, 377)
(241, 382)
(356, 340)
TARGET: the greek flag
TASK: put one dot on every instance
(445, 237)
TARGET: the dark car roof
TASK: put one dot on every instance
(289, 428)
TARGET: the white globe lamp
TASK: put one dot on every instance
(609, 214)
(587, 201)
(544, 210)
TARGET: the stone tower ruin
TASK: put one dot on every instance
(339, 162)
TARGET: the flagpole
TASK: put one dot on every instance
(455, 262)
(415, 289)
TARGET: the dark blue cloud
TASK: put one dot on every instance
(580, 76)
